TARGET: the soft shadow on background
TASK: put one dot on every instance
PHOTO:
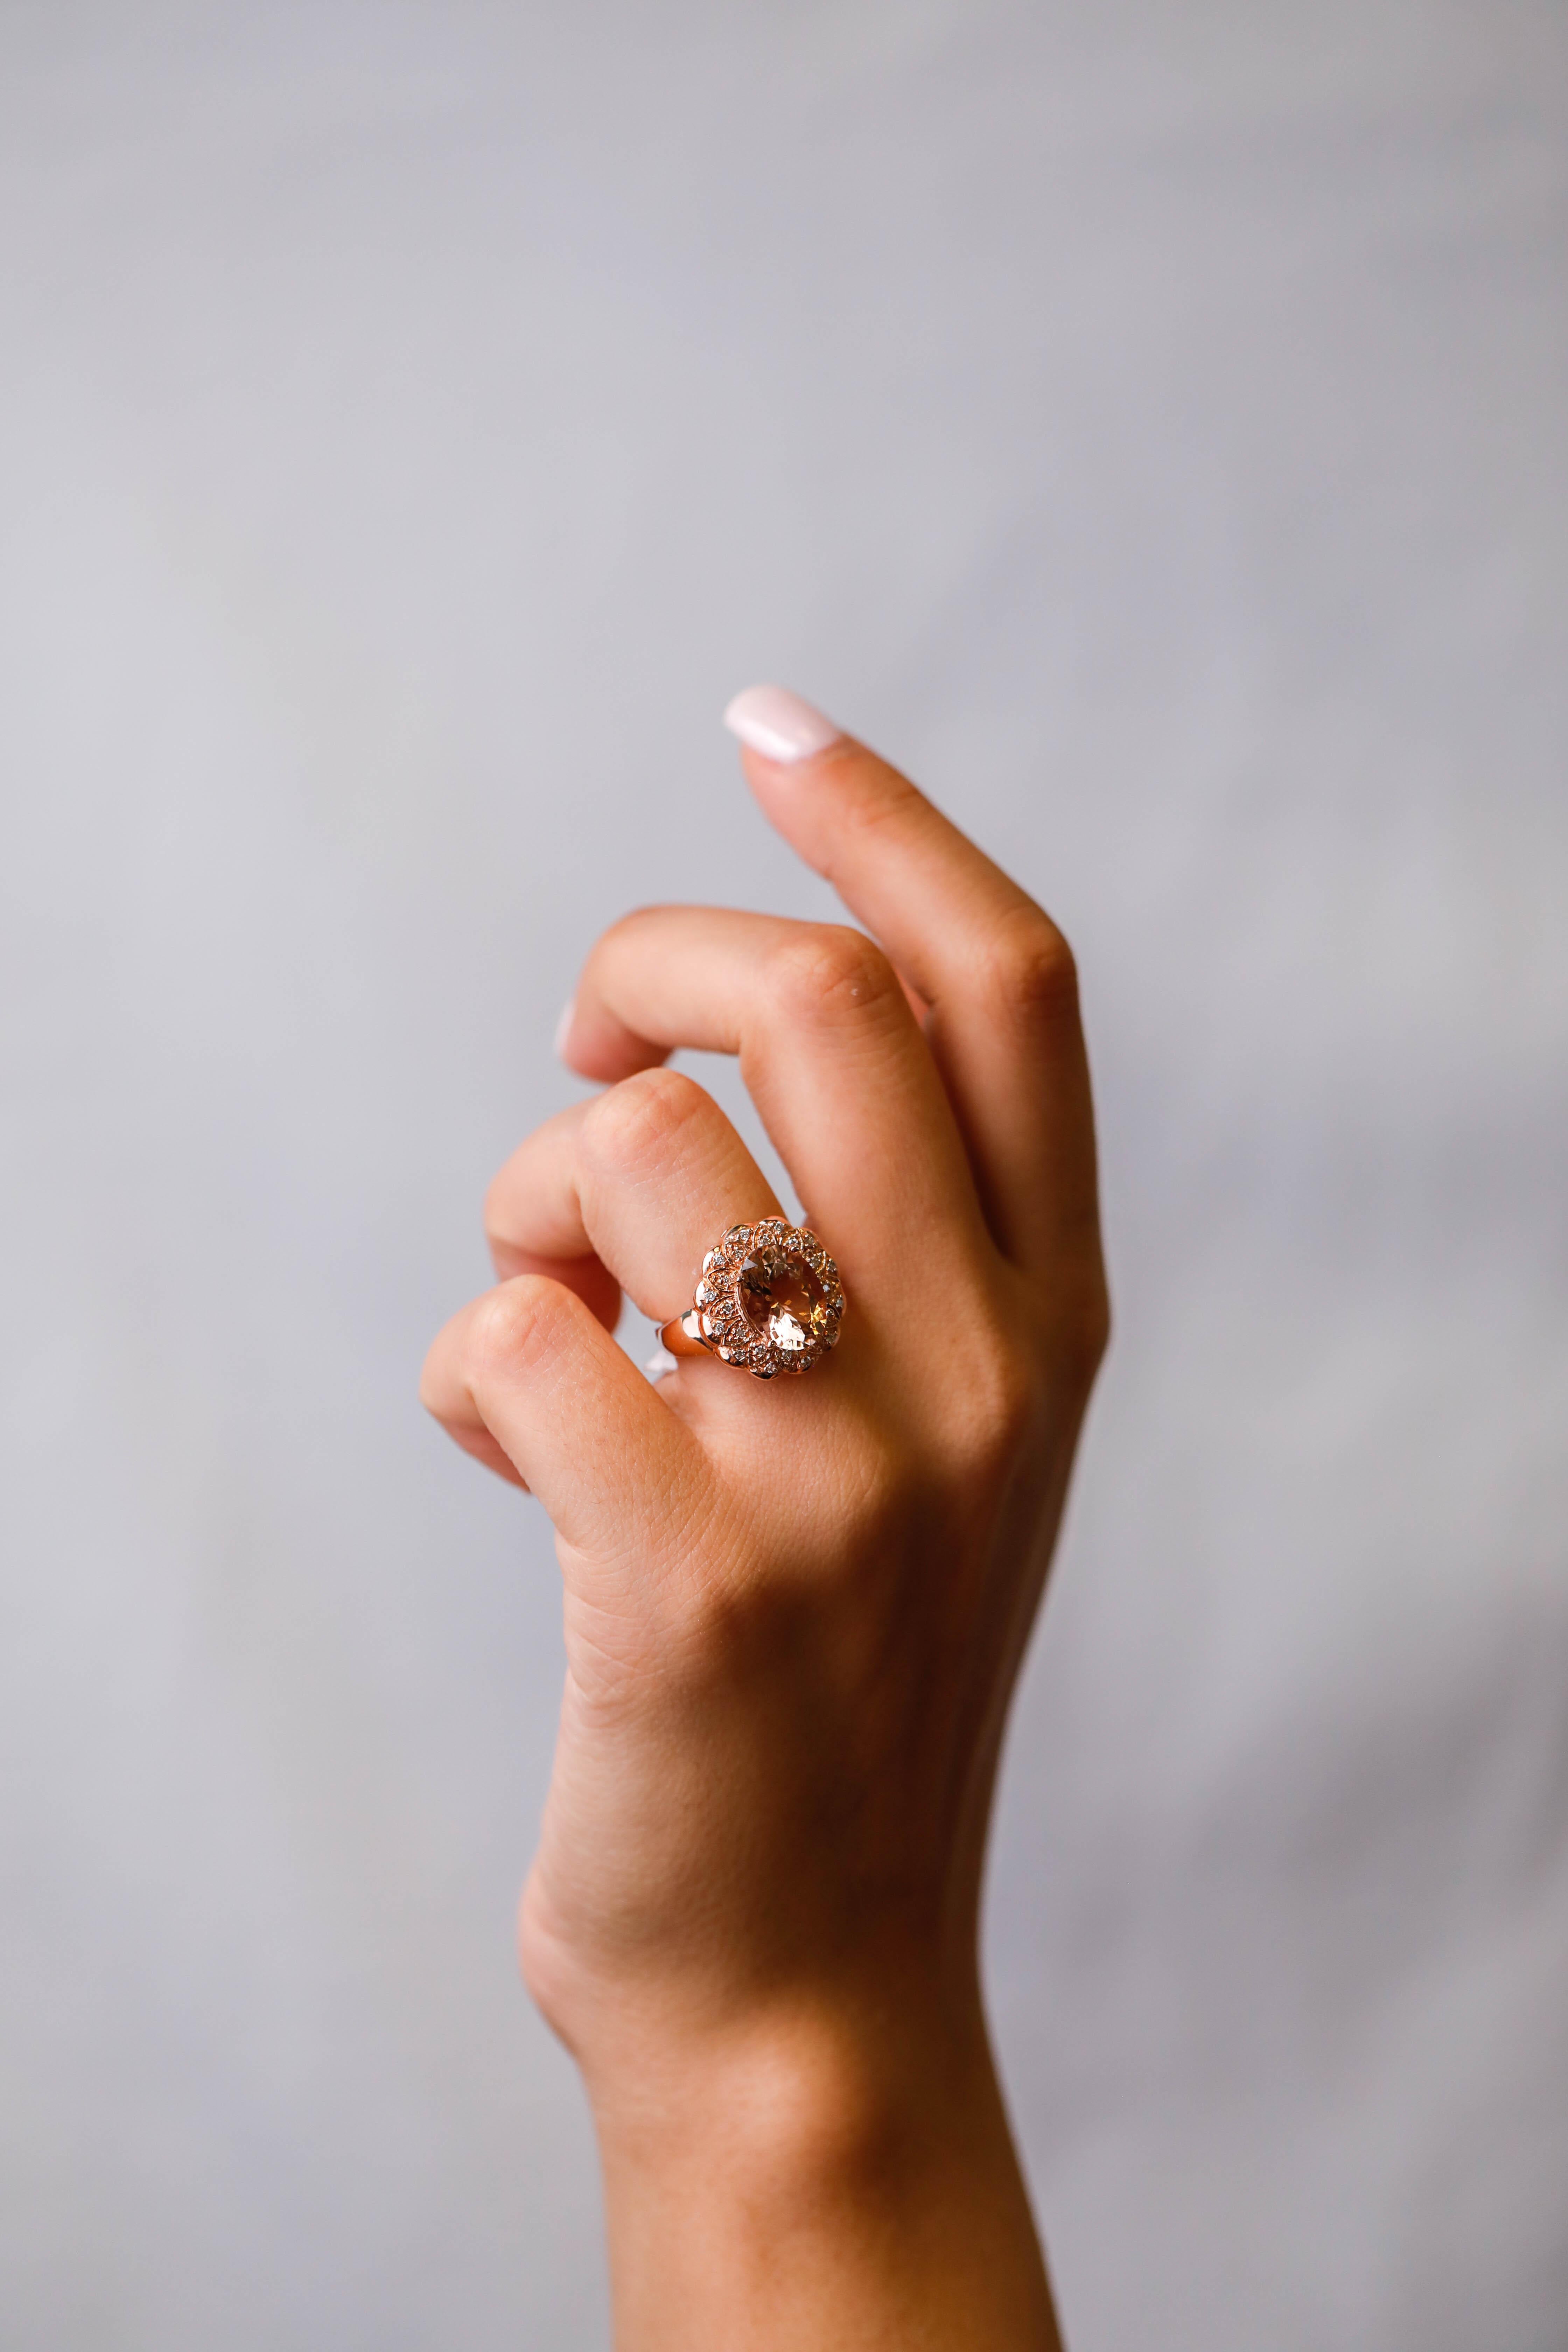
(1148, 425)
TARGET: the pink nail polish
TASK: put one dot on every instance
(778, 724)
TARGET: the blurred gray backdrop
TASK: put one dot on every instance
(1149, 425)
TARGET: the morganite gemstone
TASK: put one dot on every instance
(781, 1300)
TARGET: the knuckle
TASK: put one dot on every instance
(1001, 1397)
(516, 1324)
(618, 950)
(1010, 1405)
(882, 1486)
(639, 1122)
(627, 926)
(433, 1381)
(498, 1207)
(827, 972)
(1027, 971)
(1082, 1332)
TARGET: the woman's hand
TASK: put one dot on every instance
(794, 1612)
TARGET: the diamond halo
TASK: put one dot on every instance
(768, 1300)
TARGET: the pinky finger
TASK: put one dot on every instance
(474, 1438)
(528, 1381)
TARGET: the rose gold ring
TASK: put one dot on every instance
(768, 1300)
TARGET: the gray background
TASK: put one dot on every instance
(1150, 423)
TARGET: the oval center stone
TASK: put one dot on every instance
(781, 1300)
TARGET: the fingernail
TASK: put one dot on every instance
(563, 1026)
(779, 725)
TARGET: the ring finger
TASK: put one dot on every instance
(644, 1180)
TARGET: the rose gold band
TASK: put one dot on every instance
(680, 1341)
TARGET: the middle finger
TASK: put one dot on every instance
(830, 1054)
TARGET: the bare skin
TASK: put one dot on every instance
(794, 1613)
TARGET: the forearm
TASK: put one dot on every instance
(807, 2184)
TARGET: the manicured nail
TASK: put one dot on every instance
(779, 725)
(563, 1026)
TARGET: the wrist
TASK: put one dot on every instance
(782, 2179)
(812, 2084)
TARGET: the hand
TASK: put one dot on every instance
(794, 1612)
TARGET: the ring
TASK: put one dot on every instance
(768, 1300)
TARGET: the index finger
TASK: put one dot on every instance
(997, 974)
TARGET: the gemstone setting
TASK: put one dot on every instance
(768, 1300)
